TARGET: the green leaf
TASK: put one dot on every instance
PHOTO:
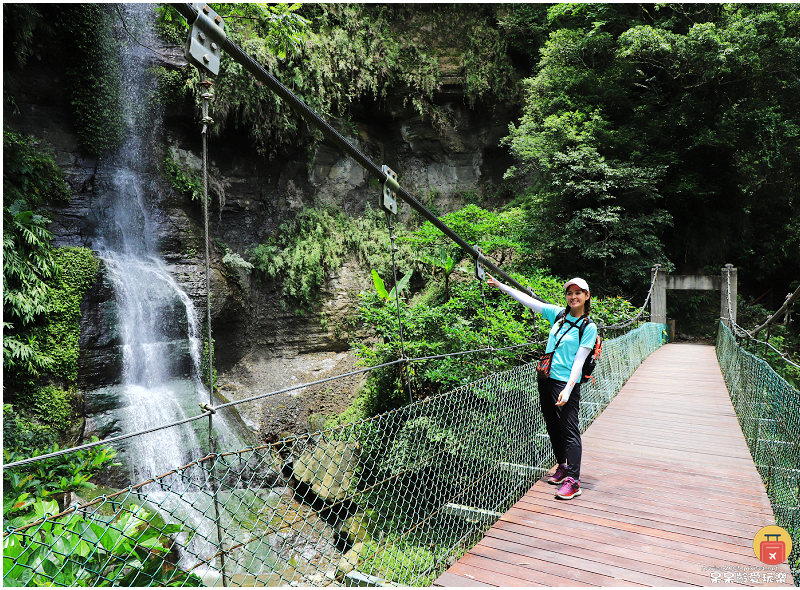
(379, 285)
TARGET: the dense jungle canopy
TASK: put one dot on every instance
(648, 132)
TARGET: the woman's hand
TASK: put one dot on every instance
(490, 280)
(563, 397)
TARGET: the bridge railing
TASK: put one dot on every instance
(768, 409)
(392, 500)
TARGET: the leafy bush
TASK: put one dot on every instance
(77, 551)
(54, 477)
(30, 178)
(302, 252)
(333, 56)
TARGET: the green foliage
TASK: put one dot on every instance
(125, 552)
(396, 291)
(30, 178)
(50, 406)
(42, 292)
(93, 77)
(399, 561)
(54, 478)
(187, 182)
(302, 252)
(232, 259)
(333, 56)
(433, 326)
(444, 261)
(500, 235)
(639, 120)
(77, 268)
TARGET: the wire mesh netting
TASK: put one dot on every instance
(768, 409)
(392, 500)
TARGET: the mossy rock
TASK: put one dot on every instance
(358, 528)
(349, 560)
(329, 469)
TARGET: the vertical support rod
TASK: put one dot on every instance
(404, 366)
(729, 281)
(206, 95)
(206, 120)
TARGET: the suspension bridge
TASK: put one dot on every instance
(687, 455)
(671, 496)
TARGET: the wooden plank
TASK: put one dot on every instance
(634, 548)
(669, 492)
(605, 557)
(655, 506)
(450, 579)
(583, 567)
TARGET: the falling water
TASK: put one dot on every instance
(158, 325)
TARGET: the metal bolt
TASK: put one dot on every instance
(214, 46)
(201, 36)
(206, 9)
(206, 58)
(217, 19)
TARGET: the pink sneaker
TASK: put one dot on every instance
(569, 489)
(559, 475)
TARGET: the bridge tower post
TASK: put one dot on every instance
(728, 272)
(658, 300)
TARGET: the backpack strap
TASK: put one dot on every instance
(581, 329)
(586, 321)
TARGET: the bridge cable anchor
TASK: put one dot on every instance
(388, 199)
(207, 36)
(480, 274)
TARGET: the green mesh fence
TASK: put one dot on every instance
(393, 500)
(768, 409)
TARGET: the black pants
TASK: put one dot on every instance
(562, 423)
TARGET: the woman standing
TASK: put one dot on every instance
(560, 392)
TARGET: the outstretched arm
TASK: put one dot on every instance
(574, 376)
(523, 298)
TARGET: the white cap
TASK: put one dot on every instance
(579, 282)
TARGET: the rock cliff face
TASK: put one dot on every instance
(251, 197)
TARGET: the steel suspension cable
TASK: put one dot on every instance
(740, 332)
(641, 310)
(307, 113)
(784, 309)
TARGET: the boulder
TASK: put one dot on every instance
(328, 468)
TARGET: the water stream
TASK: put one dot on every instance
(157, 323)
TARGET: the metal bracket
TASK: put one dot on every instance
(388, 200)
(479, 272)
(206, 38)
(207, 408)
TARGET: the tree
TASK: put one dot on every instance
(667, 134)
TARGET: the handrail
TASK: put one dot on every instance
(790, 299)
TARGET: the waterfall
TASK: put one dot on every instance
(156, 320)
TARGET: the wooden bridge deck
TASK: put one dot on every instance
(670, 495)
